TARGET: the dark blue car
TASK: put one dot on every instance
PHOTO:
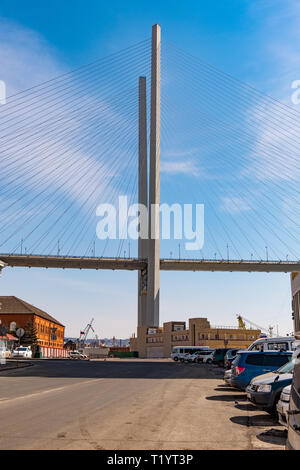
(250, 364)
(264, 391)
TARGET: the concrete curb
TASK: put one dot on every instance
(20, 366)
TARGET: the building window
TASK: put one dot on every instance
(203, 336)
(178, 327)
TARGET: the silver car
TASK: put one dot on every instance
(227, 377)
(283, 406)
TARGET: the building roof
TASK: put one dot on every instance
(10, 337)
(11, 305)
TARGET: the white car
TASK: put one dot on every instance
(208, 358)
(22, 351)
(283, 406)
(77, 355)
(4, 352)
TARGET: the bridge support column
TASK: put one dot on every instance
(142, 199)
(154, 185)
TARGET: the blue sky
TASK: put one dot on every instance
(255, 41)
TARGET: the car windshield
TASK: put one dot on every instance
(21, 349)
(286, 368)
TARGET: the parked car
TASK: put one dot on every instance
(207, 358)
(190, 357)
(185, 357)
(264, 391)
(293, 440)
(283, 406)
(22, 351)
(201, 356)
(283, 343)
(250, 364)
(4, 352)
(227, 376)
(204, 355)
(181, 352)
(218, 356)
(229, 357)
(77, 355)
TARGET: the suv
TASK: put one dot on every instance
(264, 391)
(293, 440)
(218, 357)
(250, 364)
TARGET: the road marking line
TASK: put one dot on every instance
(45, 392)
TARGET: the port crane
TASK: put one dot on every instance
(242, 325)
(84, 334)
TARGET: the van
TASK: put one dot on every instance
(283, 343)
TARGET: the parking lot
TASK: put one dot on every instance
(129, 404)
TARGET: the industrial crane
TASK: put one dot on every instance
(83, 334)
(242, 325)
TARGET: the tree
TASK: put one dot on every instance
(30, 337)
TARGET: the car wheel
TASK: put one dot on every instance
(175, 359)
(209, 361)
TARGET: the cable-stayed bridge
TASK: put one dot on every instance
(88, 136)
(134, 264)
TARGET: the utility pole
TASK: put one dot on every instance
(143, 200)
(154, 185)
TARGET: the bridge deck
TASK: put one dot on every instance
(130, 264)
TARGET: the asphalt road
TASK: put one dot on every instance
(128, 404)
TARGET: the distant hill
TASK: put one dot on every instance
(106, 341)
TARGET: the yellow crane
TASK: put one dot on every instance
(242, 325)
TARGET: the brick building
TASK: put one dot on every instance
(16, 313)
(159, 341)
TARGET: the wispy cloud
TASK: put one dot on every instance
(234, 205)
(186, 167)
(52, 145)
